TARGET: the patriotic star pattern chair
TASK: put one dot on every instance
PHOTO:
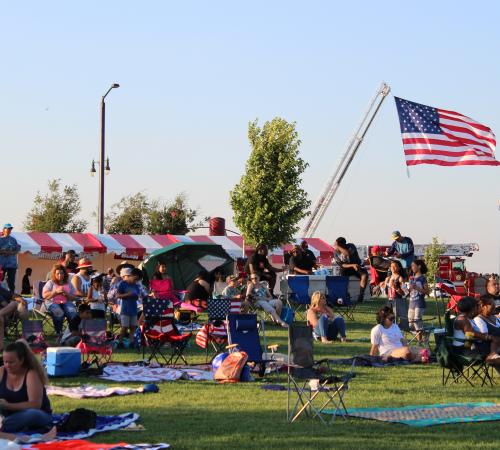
(299, 299)
(214, 332)
(95, 346)
(159, 332)
(337, 296)
(315, 387)
(32, 333)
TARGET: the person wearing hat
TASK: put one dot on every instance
(95, 296)
(128, 291)
(81, 281)
(402, 249)
(9, 248)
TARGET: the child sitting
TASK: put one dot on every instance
(95, 297)
(73, 333)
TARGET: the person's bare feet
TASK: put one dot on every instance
(325, 340)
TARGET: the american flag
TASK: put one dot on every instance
(210, 332)
(442, 137)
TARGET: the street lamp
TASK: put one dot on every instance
(103, 162)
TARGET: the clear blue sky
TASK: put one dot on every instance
(194, 73)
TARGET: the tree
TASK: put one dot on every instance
(56, 211)
(173, 218)
(136, 214)
(432, 252)
(129, 215)
(268, 202)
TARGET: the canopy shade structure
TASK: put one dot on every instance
(184, 260)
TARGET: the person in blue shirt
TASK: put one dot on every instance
(9, 248)
(402, 249)
(128, 292)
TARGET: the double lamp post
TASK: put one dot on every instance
(103, 161)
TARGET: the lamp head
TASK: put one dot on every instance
(115, 85)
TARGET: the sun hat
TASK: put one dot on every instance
(8, 225)
(84, 263)
(395, 235)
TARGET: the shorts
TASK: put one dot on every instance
(415, 318)
(128, 321)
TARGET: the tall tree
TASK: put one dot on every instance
(268, 202)
(129, 215)
(137, 214)
(56, 211)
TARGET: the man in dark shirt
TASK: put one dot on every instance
(258, 264)
(69, 261)
(300, 264)
(308, 254)
(347, 257)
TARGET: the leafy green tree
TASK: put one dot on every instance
(137, 214)
(173, 218)
(268, 202)
(129, 215)
(56, 211)
(432, 252)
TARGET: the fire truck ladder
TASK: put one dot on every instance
(331, 187)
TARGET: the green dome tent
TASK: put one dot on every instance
(185, 260)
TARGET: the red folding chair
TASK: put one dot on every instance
(95, 346)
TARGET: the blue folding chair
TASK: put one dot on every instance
(338, 297)
(242, 330)
(299, 298)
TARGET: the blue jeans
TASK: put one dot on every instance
(330, 330)
(59, 311)
(27, 420)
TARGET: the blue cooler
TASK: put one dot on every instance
(63, 361)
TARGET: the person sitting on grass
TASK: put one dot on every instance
(198, 290)
(128, 292)
(73, 333)
(388, 341)
(23, 399)
(259, 295)
(325, 323)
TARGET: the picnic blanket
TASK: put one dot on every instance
(428, 415)
(369, 361)
(80, 444)
(103, 423)
(148, 374)
(92, 391)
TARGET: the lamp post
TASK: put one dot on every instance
(103, 162)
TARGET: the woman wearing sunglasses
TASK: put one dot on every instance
(387, 339)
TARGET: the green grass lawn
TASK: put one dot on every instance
(190, 415)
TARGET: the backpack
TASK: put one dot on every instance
(79, 419)
(230, 369)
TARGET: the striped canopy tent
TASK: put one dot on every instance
(139, 246)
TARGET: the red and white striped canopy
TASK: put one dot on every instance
(141, 245)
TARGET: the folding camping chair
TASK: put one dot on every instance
(457, 367)
(214, 332)
(159, 330)
(95, 346)
(242, 330)
(337, 296)
(298, 299)
(40, 311)
(315, 388)
(407, 327)
(32, 333)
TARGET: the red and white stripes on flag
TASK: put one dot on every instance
(210, 332)
(442, 137)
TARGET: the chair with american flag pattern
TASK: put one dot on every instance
(214, 333)
(158, 331)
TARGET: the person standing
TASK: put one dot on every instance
(9, 248)
(309, 255)
(402, 249)
(258, 264)
(69, 262)
(26, 287)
